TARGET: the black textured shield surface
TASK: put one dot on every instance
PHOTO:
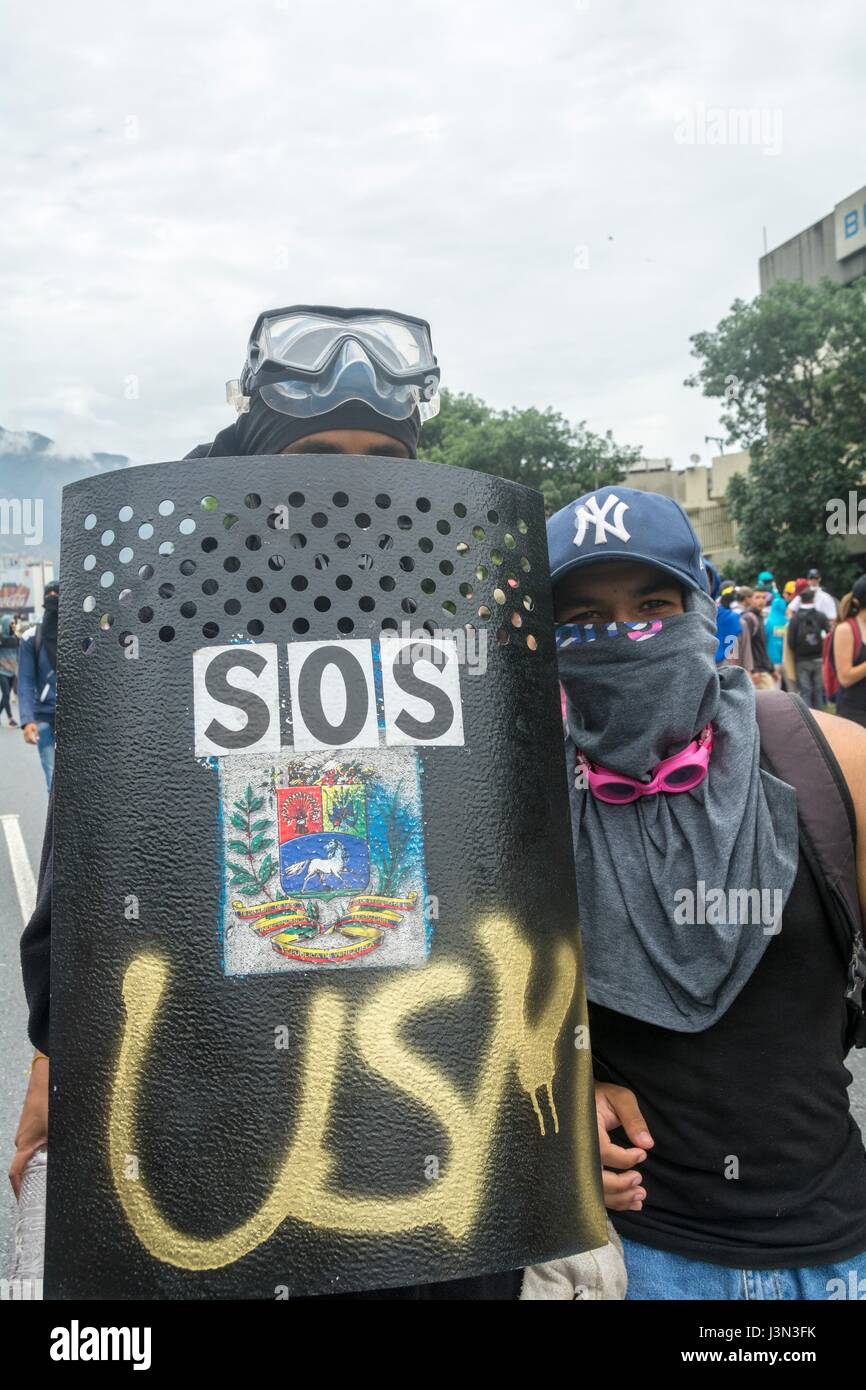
(171, 1137)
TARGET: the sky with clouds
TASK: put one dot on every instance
(530, 177)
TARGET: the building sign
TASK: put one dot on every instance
(850, 222)
(14, 595)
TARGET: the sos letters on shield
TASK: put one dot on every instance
(322, 830)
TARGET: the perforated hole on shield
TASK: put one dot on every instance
(497, 541)
(438, 563)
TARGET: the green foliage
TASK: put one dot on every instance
(791, 370)
(781, 507)
(393, 838)
(538, 448)
(251, 879)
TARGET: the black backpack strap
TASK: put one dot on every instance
(794, 749)
(37, 647)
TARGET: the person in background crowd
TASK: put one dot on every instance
(775, 622)
(824, 602)
(728, 626)
(808, 628)
(37, 681)
(797, 586)
(754, 654)
(849, 654)
(789, 664)
(714, 580)
(8, 667)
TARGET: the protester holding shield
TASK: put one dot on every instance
(324, 381)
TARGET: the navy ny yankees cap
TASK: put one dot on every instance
(622, 523)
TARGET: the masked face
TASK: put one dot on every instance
(617, 591)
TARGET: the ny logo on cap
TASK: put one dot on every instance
(590, 513)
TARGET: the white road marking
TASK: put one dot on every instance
(25, 883)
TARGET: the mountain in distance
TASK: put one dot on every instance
(31, 466)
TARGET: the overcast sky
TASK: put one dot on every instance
(528, 176)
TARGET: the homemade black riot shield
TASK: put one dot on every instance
(317, 1014)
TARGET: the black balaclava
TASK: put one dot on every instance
(265, 431)
(50, 600)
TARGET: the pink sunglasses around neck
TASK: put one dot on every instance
(681, 772)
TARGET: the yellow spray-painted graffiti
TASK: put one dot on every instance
(302, 1188)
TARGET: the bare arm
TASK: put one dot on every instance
(848, 742)
(789, 663)
(32, 1130)
(843, 655)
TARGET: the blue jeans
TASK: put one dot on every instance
(46, 748)
(810, 679)
(659, 1274)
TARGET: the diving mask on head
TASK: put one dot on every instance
(307, 360)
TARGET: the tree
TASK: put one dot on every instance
(791, 370)
(538, 448)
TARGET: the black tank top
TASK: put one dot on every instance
(763, 1092)
(851, 700)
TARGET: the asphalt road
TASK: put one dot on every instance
(23, 803)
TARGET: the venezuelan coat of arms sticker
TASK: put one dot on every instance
(323, 861)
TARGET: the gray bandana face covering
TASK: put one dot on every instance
(669, 934)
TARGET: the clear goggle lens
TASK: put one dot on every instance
(306, 341)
